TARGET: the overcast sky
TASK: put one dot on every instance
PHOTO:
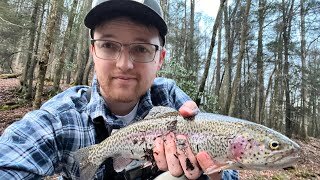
(210, 7)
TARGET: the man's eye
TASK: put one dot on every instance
(109, 45)
(141, 49)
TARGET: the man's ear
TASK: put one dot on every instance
(162, 57)
(91, 49)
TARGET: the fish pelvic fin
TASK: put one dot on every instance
(86, 167)
(218, 167)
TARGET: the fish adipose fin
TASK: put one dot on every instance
(87, 168)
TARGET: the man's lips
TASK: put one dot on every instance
(124, 77)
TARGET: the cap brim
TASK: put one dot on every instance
(111, 9)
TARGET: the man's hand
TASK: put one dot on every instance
(180, 159)
(188, 109)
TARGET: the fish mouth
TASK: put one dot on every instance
(276, 160)
(283, 159)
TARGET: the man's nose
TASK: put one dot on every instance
(124, 62)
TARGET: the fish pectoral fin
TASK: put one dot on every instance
(218, 167)
(120, 163)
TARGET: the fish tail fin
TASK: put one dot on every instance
(86, 167)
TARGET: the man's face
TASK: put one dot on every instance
(123, 80)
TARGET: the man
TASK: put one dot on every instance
(127, 49)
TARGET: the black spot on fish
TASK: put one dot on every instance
(143, 139)
(234, 147)
(134, 141)
(191, 118)
(254, 155)
(148, 155)
(172, 126)
(131, 151)
(289, 168)
(197, 148)
(189, 165)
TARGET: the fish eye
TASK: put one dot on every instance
(274, 145)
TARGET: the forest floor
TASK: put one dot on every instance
(12, 108)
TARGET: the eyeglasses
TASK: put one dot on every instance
(111, 50)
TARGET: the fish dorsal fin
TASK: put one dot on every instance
(160, 112)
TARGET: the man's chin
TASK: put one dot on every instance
(124, 97)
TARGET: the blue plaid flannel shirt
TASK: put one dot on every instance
(42, 142)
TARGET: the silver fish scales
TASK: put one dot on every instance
(233, 143)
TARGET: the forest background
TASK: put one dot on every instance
(257, 60)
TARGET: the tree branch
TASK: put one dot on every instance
(8, 22)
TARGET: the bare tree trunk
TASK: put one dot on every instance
(54, 54)
(305, 115)
(165, 7)
(208, 61)
(34, 60)
(184, 34)
(87, 71)
(225, 90)
(82, 56)
(236, 81)
(43, 62)
(260, 71)
(71, 60)
(66, 40)
(32, 33)
(277, 97)
(83, 52)
(218, 64)
(287, 17)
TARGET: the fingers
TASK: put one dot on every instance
(207, 164)
(171, 155)
(159, 154)
(187, 159)
(188, 109)
(174, 154)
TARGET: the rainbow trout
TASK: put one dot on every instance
(232, 142)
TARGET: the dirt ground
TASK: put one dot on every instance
(308, 167)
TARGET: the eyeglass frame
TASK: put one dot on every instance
(157, 48)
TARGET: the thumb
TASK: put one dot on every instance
(188, 109)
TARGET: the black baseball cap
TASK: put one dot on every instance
(148, 12)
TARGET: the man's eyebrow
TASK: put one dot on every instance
(139, 39)
(106, 36)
